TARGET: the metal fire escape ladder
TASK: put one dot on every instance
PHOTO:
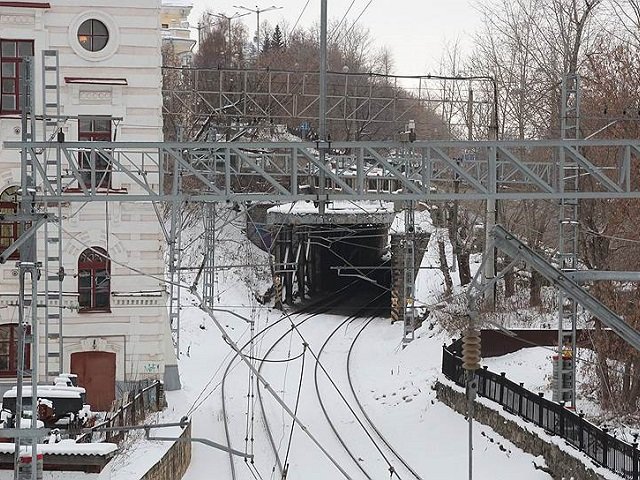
(569, 171)
(563, 281)
(53, 266)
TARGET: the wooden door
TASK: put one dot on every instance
(97, 374)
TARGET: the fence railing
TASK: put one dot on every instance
(603, 448)
(136, 405)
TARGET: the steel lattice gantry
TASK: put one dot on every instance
(224, 172)
(202, 97)
(177, 173)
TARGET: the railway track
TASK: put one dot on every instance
(368, 427)
(365, 414)
(315, 308)
(396, 464)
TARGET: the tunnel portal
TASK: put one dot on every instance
(346, 247)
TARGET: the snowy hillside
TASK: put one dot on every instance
(392, 385)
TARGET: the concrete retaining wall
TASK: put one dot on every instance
(561, 464)
(174, 463)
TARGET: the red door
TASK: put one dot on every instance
(97, 374)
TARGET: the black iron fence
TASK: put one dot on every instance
(135, 407)
(605, 449)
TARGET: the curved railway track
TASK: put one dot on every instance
(364, 412)
(313, 310)
(355, 458)
(316, 308)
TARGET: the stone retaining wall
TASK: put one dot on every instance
(174, 463)
(561, 464)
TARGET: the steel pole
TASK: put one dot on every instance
(258, 32)
(490, 264)
(322, 113)
(34, 365)
(20, 374)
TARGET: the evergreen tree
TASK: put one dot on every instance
(277, 42)
(266, 43)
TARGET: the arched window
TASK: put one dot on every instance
(9, 350)
(94, 280)
(9, 231)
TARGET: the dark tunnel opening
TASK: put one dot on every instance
(355, 258)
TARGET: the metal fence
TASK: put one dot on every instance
(135, 407)
(603, 448)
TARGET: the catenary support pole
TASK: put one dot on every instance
(322, 108)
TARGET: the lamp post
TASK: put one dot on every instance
(228, 19)
(257, 11)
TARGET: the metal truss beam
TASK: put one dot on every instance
(359, 101)
(583, 276)
(514, 248)
(512, 170)
(26, 236)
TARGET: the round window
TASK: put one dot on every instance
(93, 35)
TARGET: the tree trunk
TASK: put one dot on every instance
(444, 268)
(602, 370)
(535, 297)
(509, 284)
(465, 269)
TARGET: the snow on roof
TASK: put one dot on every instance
(51, 391)
(66, 447)
(339, 207)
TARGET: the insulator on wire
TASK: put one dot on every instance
(471, 350)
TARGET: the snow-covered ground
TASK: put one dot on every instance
(392, 384)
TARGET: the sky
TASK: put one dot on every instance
(414, 30)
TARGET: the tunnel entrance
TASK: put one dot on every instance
(346, 249)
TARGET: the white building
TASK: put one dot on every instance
(176, 30)
(115, 327)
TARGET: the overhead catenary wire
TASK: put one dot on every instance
(231, 365)
(355, 21)
(316, 357)
(271, 391)
(510, 333)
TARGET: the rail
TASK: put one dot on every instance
(621, 457)
(133, 412)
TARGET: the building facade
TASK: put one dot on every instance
(176, 30)
(114, 324)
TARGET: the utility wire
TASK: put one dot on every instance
(335, 386)
(510, 333)
(355, 21)
(342, 19)
(270, 389)
(300, 16)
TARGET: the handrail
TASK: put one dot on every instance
(128, 413)
(603, 448)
